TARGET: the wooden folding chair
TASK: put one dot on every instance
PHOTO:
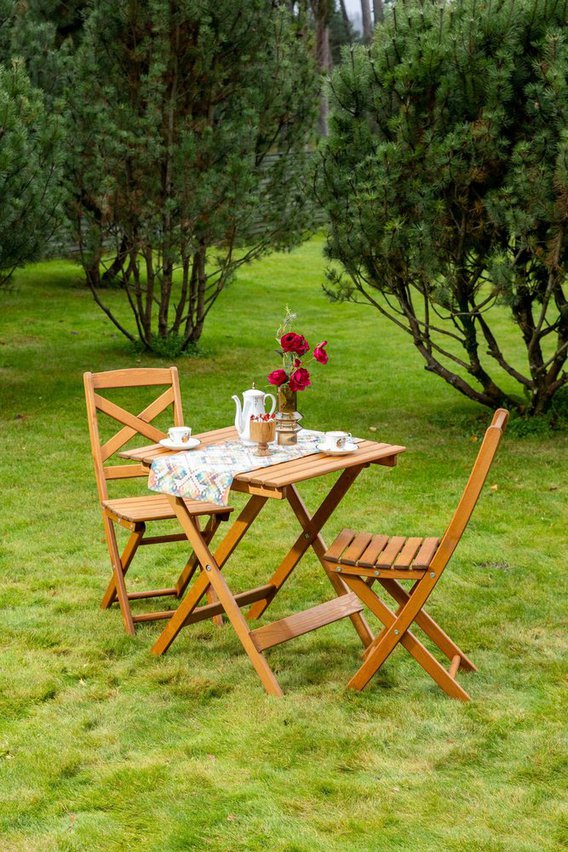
(362, 559)
(133, 513)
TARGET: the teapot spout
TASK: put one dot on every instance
(238, 415)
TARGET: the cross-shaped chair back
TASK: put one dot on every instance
(131, 424)
(470, 496)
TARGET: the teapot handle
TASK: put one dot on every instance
(273, 398)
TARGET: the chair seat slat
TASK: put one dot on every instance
(390, 552)
(408, 552)
(157, 508)
(427, 550)
(342, 541)
(353, 553)
(372, 552)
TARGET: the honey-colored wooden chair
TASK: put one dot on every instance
(133, 513)
(363, 558)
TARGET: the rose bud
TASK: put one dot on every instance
(320, 354)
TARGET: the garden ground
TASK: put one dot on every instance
(103, 746)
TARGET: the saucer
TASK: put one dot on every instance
(336, 451)
(171, 445)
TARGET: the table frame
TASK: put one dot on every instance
(276, 482)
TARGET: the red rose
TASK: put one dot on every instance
(292, 342)
(320, 354)
(300, 379)
(278, 377)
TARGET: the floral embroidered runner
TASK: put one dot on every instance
(207, 474)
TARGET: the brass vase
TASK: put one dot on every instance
(287, 417)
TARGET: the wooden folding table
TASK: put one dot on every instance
(276, 482)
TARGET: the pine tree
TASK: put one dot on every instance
(446, 180)
(30, 161)
(189, 123)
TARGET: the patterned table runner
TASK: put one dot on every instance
(207, 474)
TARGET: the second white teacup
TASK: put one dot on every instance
(179, 434)
(337, 440)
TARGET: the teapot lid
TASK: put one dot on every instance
(253, 391)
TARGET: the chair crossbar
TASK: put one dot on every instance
(454, 666)
(127, 432)
(136, 424)
(152, 616)
(160, 539)
(124, 471)
(132, 377)
(152, 593)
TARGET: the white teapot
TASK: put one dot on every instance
(253, 403)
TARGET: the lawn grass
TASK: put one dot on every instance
(103, 746)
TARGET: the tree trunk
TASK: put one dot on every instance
(93, 275)
(367, 23)
(323, 58)
(196, 305)
(116, 268)
(344, 15)
(378, 11)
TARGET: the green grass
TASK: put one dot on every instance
(103, 746)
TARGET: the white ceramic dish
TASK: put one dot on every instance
(189, 445)
(335, 451)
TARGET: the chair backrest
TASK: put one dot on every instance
(131, 424)
(470, 496)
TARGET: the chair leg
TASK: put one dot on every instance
(434, 632)
(125, 560)
(376, 656)
(384, 645)
(118, 576)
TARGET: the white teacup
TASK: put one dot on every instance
(179, 434)
(337, 440)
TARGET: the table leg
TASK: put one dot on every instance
(190, 566)
(311, 537)
(211, 575)
(319, 548)
(199, 588)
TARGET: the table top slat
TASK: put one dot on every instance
(285, 473)
(148, 453)
(319, 465)
(275, 471)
